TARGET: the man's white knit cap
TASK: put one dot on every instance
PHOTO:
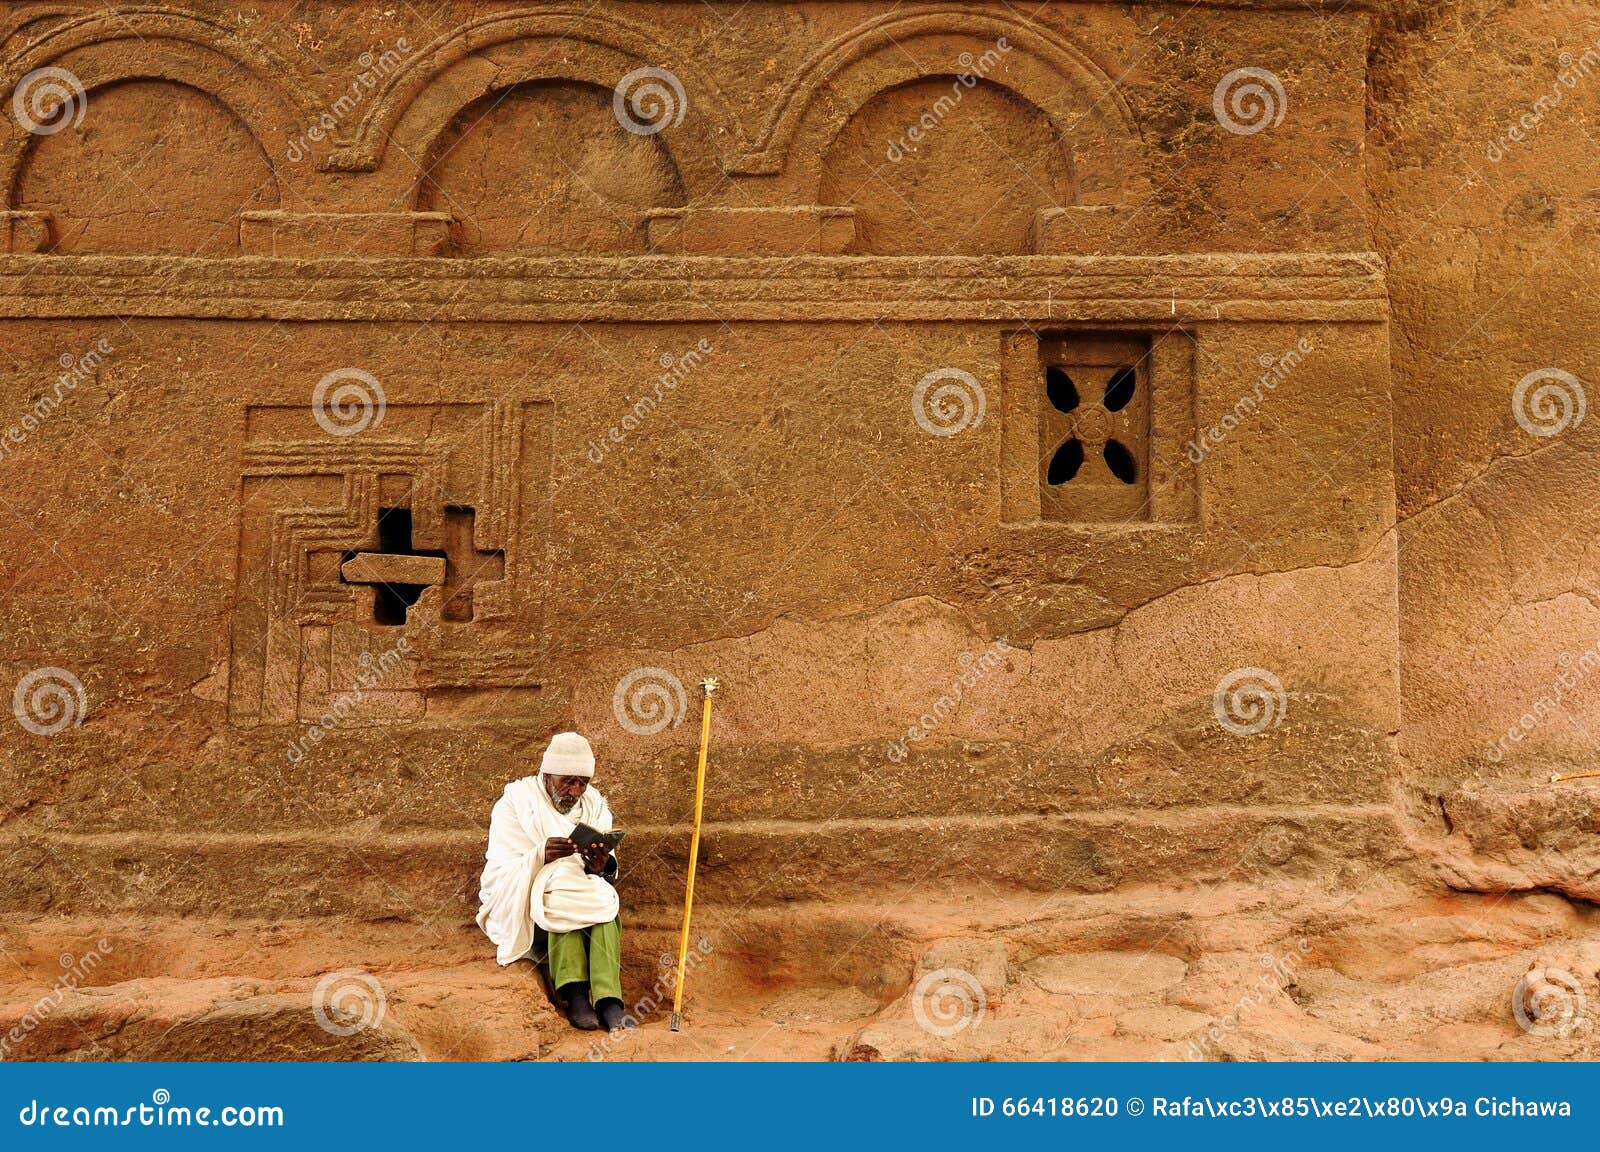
(568, 755)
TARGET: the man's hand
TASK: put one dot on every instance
(595, 859)
(558, 846)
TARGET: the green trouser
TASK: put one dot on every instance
(591, 956)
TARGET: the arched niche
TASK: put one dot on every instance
(892, 50)
(939, 166)
(545, 168)
(102, 49)
(425, 97)
(153, 167)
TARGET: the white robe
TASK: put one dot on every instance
(519, 889)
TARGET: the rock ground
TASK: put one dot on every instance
(1226, 972)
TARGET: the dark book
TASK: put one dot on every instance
(584, 836)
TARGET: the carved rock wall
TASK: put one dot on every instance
(739, 377)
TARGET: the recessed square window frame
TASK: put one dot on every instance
(1160, 413)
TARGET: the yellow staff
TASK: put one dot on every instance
(1556, 779)
(709, 684)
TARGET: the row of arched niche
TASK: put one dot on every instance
(509, 125)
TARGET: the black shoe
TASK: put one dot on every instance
(612, 1015)
(580, 1013)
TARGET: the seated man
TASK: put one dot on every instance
(536, 877)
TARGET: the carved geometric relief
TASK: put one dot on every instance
(1095, 426)
(1094, 429)
(383, 573)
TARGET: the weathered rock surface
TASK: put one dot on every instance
(1147, 556)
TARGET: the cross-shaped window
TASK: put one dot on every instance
(399, 572)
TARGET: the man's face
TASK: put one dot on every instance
(565, 791)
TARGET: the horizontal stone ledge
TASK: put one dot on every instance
(1152, 289)
(273, 232)
(428, 876)
(814, 229)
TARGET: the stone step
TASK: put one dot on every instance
(433, 876)
(1360, 967)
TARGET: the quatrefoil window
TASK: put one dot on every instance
(1093, 427)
